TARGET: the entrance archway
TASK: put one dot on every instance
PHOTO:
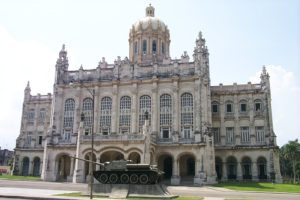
(246, 168)
(231, 168)
(134, 157)
(187, 167)
(165, 163)
(262, 168)
(36, 166)
(25, 166)
(110, 156)
(219, 167)
(64, 165)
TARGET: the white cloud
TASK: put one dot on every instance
(285, 93)
(21, 61)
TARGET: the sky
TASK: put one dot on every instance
(241, 36)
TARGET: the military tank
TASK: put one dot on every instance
(126, 172)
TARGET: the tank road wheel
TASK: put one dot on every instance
(134, 179)
(124, 178)
(144, 179)
(113, 178)
(152, 178)
(103, 178)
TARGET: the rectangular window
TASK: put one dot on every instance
(228, 108)
(165, 133)
(215, 108)
(243, 107)
(257, 106)
(30, 116)
(245, 135)
(67, 135)
(230, 135)
(216, 134)
(260, 134)
(42, 115)
(40, 140)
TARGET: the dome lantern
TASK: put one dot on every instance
(150, 11)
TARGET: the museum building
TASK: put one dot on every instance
(149, 108)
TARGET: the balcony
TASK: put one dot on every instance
(115, 137)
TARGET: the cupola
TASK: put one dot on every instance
(149, 39)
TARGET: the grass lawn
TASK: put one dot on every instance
(20, 178)
(261, 187)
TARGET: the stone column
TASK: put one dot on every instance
(175, 113)
(98, 166)
(72, 167)
(115, 106)
(30, 171)
(254, 171)
(134, 110)
(76, 169)
(197, 102)
(97, 101)
(224, 171)
(175, 179)
(155, 106)
(239, 174)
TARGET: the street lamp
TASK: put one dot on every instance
(92, 93)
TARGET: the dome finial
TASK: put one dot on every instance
(150, 11)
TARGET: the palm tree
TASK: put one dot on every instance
(291, 152)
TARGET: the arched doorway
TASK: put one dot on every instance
(64, 165)
(186, 168)
(36, 166)
(110, 156)
(219, 168)
(165, 163)
(231, 168)
(246, 168)
(262, 168)
(134, 157)
(25, 166)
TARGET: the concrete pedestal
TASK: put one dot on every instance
(131, 190)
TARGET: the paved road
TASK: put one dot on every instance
(48, 189)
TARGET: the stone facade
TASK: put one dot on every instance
(150, 108)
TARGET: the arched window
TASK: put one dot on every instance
(68, 118)
(105, 118)
(125, 115)
(163, 48)
(87, 109)
(144, 46)
(30, 116)
(187, 115)
(165, 115)
(154, 46)
(145, 105)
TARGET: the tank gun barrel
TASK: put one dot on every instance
(97, 163)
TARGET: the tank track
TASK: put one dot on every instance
(127, 177)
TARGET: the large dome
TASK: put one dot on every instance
(149, 39)
(147, 21)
